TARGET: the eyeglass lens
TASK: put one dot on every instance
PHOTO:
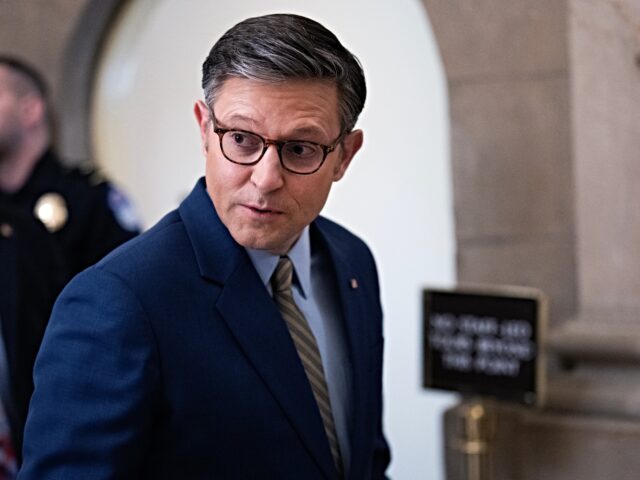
(298, 156)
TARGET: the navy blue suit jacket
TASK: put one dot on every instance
(169, 359)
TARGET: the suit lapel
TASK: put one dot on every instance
(255, 322)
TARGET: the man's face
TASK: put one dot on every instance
(10, 118)
(264, 206)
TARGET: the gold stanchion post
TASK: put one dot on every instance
(469, 432)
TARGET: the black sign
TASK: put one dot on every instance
(484, 343)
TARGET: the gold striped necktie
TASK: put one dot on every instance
(307, 348)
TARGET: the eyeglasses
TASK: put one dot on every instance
(248, 148)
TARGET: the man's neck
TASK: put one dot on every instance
(17, 166)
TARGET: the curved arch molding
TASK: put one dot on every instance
(79, 63)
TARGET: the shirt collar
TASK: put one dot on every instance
(300, 254)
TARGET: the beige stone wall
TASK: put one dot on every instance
(605, 38)
(39, 31)
(507, 71)
(545, 112)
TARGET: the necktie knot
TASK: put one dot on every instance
(283, 275)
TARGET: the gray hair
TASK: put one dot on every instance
(280, 47)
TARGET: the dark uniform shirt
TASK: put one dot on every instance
(98, 216)
(32, 273)
(59, 223)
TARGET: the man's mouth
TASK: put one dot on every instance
(260, 210)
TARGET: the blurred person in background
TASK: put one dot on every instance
(54, 222)
(86, 214)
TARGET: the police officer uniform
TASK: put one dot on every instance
(86, 214)
(32, 274)
(59, 222)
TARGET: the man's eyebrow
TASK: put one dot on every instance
(250, 124)
(237, 117)
(311, 130)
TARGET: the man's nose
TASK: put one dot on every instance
(267, 174)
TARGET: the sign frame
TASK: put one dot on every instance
(489, 293)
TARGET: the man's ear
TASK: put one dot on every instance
(33, 110)
(203, 117)
(350, 145)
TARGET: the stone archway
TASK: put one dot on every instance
(78, 69)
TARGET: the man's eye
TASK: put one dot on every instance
(244, 139)
(301, 149)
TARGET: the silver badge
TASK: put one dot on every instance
(51, 209)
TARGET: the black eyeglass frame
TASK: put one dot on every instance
(279, 144)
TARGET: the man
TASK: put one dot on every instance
(187, 353)
(32, 274)
(87, 216)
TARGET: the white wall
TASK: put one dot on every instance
(397, 194)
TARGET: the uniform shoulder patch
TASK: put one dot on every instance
(122, 209)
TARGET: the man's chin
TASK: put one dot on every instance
(273, 246)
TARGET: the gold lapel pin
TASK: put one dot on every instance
(354, 283)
